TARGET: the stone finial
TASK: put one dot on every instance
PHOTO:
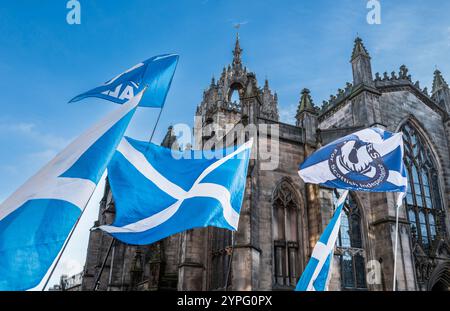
(403, 73)
(385, 76)
(393, 75)
(377, 77)
(306, 103)
(359, 49)
(438, 82)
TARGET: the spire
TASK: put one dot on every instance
(307, 116)
(237, 53)
(438, 82)
(359, 49)
(361, 65)
(441, 92)
(306, 103)
(170, 140)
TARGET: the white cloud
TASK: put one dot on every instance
(30, 131)
(71, 266)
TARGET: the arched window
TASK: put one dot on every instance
(423, 200)
(285, 235)
(350, 249)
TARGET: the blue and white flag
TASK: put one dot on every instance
(36, 219)
(159, 192)
(317, 273)
(368, 160)
(155, 75)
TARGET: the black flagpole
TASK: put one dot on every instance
(96, 284)
(67, 242)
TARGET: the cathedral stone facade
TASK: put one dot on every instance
(282, 217)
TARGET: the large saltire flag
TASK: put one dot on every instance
(369, 160)
(154, 75)
(36, 219)
(159, 192)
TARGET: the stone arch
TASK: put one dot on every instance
(436, 158)
(235, 87)
(440, 278)
(288, 241)
(425, 136)
(289, 184)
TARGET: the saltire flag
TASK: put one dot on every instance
(36, 219)
(369, 160)
(155, 75)
(317, 273)
(159, 192)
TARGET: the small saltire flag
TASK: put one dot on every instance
(36, 219)
(159, 192)
(368, 160)
(318, 270)
(155, 75)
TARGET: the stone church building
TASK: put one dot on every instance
(282, 217)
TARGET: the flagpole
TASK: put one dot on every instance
(67, 242)
(394, 286)
(113, 238)
(230, 262)
(97, 279)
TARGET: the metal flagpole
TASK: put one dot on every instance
(230, 262)
(114, 239)
(67, 242)
(394, 286)
(97, 279)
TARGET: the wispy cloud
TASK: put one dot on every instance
(31, 131)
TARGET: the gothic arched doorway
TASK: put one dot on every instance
(440, 278)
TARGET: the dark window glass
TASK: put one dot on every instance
(423, 200)
(285, 228)
(350, 246)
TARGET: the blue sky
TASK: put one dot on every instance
(295, 44)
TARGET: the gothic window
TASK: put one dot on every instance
(423, 200)
(285, 233)
(350, 248)
(220, 259)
